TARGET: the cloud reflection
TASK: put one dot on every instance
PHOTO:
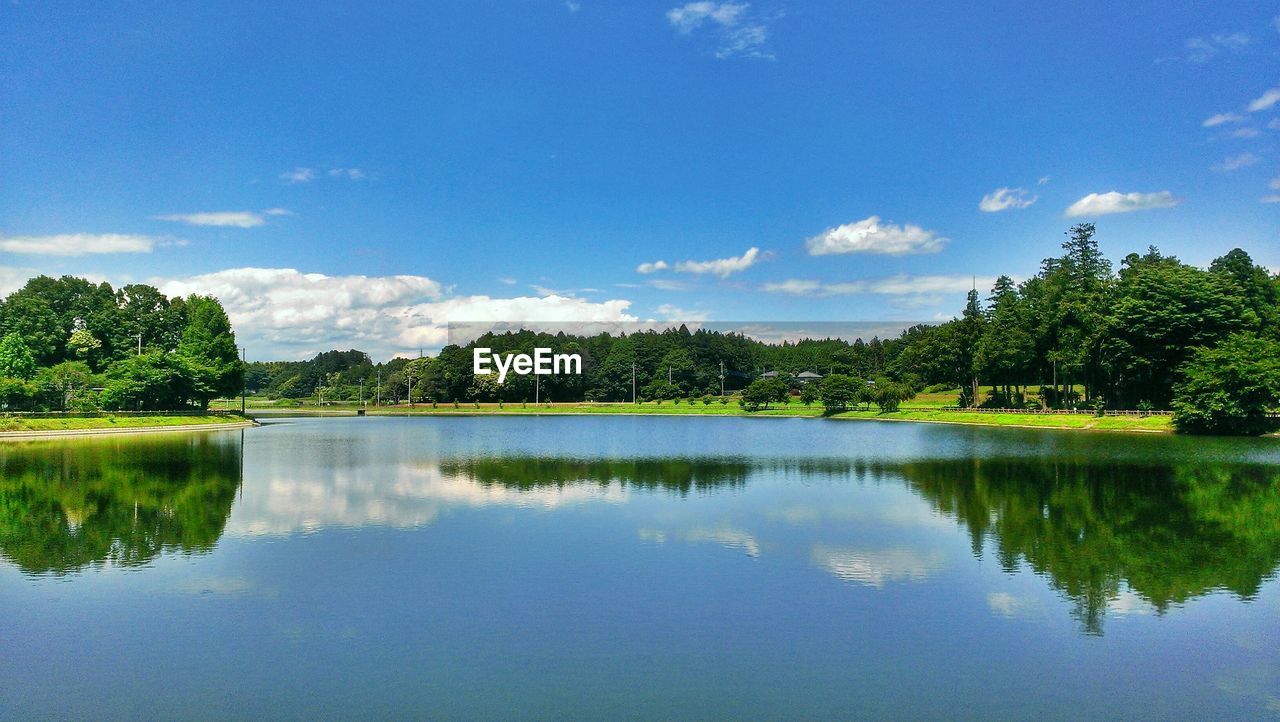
(401, 496)
(876, 568)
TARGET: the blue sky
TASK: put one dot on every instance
(344, 177)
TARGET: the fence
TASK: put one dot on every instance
(1084, 412)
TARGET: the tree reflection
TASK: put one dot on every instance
(680, 475)
(1168, 532)
(66, 505)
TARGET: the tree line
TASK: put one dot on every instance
(68, 344)
(1158, 334)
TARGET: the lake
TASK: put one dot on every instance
(639, 567)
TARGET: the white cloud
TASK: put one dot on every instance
(1009, 605)
(727, 537)
(278, 212)
(13, 278)
(1236, 162)
(1232, 41)
(302, 495)
(281, 312)
(898, 285)
(668, 284)
(1273, 198)
(1265, 101)
(1043, 179)
(1101, 204)
(738, 33)
(652, 267)
(1203, 49)
(81, 244)
(298, 175)
(354, 174)
(688, 18)
(1129, 602)
(794, 286)
(675, 313)
(573, 6)
(869, 235)
(1222, 118)
(747, 41)
(235, 219)
(875, 568)
(1246, 133)
(721, 267)
(1002, 199)
(1274, 184)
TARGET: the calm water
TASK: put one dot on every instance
(639, 567)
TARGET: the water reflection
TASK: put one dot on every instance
(65, 506)
(1167, 533)
(679, 475)
(1113, 537)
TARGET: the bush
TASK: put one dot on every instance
(888, 395)
(1229, 388)
(762, 392)
(839, 392)
(809, 394)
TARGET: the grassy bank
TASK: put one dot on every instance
(908, 413)
(109, 421)
(1039, 421)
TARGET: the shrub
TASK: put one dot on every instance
(1229, 388)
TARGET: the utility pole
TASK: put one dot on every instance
(722, 378)
(633, 382)
(378, 398)
(244, 381)
(362, 393)
(535, 389)
(409, 375)
(139, 344)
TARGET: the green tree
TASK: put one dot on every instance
(209, 347)
(810, 393)
(16, 359)
(970, 329)
(888, 394)
(1004, 352)
(1229, 388)
(762, 392)
(67, 386)
(839, 392)
(154, 381)
(1163, 309)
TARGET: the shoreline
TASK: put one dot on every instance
(1113, 424)
(30, 434)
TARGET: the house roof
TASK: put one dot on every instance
(809, 375)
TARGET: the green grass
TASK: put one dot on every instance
(909, 412)
(666, 408)
(108, 421)
(1042, 421)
